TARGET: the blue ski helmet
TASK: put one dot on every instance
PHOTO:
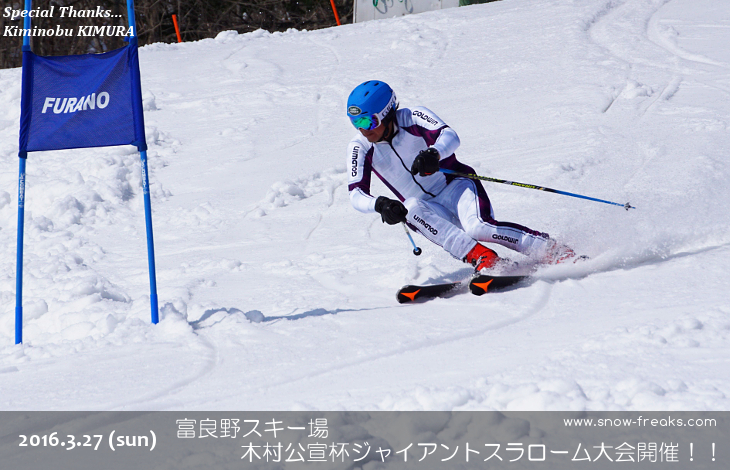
(369, 104)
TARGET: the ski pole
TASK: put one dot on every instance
(626, 206)
(416, 251)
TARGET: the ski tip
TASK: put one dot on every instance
(482, 284)
(408, 294)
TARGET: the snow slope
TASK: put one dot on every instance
(276, 294)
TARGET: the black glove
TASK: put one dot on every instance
(392, 212)
(426, 163)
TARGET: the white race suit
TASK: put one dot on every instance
(452, 212)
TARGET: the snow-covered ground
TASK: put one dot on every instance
(276, 294)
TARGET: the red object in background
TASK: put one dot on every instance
(177, 28)
(334, 9)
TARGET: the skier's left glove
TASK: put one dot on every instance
(426, 163)
(392, 211)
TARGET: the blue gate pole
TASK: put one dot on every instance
(21, 208)
(145, 185)
(19, 268)
(150, 239)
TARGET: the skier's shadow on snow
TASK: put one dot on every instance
(213, 316)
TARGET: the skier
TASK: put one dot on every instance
(405, 149)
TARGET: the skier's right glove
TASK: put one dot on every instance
(426, 163)
(392, 211)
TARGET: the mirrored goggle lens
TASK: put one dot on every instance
(368, 123)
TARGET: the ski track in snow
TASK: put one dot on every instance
(611, 23)
(276, 294)
(413, 348)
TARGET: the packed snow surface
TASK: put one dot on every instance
(276, 294)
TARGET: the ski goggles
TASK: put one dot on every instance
(367, 122)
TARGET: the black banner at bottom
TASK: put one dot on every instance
(428, 440)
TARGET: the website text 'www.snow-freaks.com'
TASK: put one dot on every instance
(667, 422)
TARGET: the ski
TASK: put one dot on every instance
(412, 293)
(482, 283)
(478, 285)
